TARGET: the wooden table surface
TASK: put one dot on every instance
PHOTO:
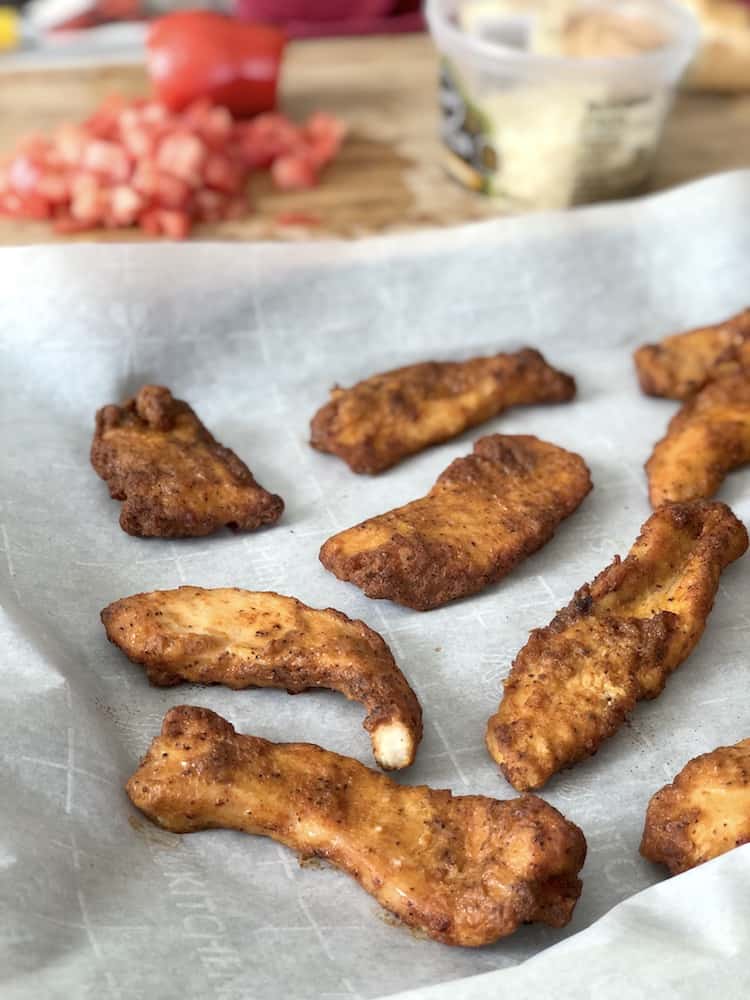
(388, 177)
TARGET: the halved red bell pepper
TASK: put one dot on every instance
(198, 53)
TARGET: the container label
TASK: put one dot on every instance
(471, 159)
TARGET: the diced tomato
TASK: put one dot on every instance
(8, 202)
(321, 124)
(30, 206)
(125, 205)
(324, 135)
(213, 123)
(138, 163)
(107, 158)
(164, 222)
(258, 154)
(265, 138)
(88, 208)
(320, 152)
(82, 182)
(183, 155)
(217, 124)
(89, 199)
(70, 142)
(66, 225)
(175, 225)
(103, 123)
(150, 222)
(145, 177)
(223, 174)
(24, 206)
(293, 173)
(154, 113)
(35, 146)
(171, 192)
(54, 187)
(139, 141)
(129, 117)
(23, 174)
(156, 185)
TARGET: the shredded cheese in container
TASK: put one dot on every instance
(546, 105)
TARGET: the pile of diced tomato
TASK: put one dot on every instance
(136, 163)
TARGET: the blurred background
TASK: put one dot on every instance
(332, 118)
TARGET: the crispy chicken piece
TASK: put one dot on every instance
(381, 420)
(707, 438)
(175, 479)
(705, 812)
(575, 681)
(483, 516)
(244, 639)
(465, 870)
(685, 362)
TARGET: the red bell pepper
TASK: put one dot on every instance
(198, 53)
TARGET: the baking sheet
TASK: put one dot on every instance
(96, 901)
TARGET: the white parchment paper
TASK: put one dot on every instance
(98, 903)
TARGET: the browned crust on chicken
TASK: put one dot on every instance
(465, 870)
(483, 516)
(575, 681)
(706, 439)
(386, 417)
(174, 478)
(683, 363)
(705, 812)
(246, 639)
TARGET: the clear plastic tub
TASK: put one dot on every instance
(536, 130)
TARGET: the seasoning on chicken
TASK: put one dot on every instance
(244, 639)
(575, 681)
(483, 516)
(381, 420)
(465, 870)
(706, 439)
(174, 478)
(679, 365)
(705, 812)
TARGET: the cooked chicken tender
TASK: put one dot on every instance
(246, 639)
(705, 441)
(483, 516)
(174, 478)
(705, 812)
(466, 870)
(683, 363)
(381, 420)
(575, 681)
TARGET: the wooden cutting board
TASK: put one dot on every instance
(388, 177)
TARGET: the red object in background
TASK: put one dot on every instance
(197, 53)
(136, 163)
(307, 18)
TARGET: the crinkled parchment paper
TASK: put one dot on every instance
(96, 902)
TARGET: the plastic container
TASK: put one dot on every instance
(538, 131)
